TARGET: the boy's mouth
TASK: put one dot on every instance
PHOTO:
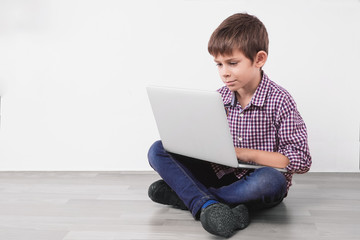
(230, 83)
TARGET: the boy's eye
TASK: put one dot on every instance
(233, 63)
(218, 64)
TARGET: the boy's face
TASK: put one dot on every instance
(238, 72)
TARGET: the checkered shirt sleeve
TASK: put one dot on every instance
(292, 135)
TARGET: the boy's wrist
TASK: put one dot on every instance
(243, 154)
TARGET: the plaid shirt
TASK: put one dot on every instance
(270, 122)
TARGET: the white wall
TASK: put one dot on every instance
(73, 75)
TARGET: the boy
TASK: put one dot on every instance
(266, 127)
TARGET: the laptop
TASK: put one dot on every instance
(193, 123)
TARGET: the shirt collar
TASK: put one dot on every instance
(230, 100)
(259, 96)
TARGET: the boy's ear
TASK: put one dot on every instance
(260, 59)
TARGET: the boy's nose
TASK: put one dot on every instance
(225, 73)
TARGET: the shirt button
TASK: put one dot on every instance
(241, 115)
(240, 139)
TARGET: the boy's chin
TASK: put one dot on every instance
(233, 88)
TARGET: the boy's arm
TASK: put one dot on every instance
(271, 159)
(292, 150)
(293, 142)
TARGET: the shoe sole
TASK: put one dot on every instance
(219, 219)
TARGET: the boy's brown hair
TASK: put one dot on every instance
(240, 31)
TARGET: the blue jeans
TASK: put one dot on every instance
(195, 183)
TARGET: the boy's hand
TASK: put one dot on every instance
(271, 159)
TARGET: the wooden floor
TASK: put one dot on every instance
(114, 205)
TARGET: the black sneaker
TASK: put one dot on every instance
(160, 192)
(219, 219)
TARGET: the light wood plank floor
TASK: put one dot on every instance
(115, 206)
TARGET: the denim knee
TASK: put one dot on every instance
(155, 150)
(271, 181)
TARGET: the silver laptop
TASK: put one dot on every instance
(193, 123)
